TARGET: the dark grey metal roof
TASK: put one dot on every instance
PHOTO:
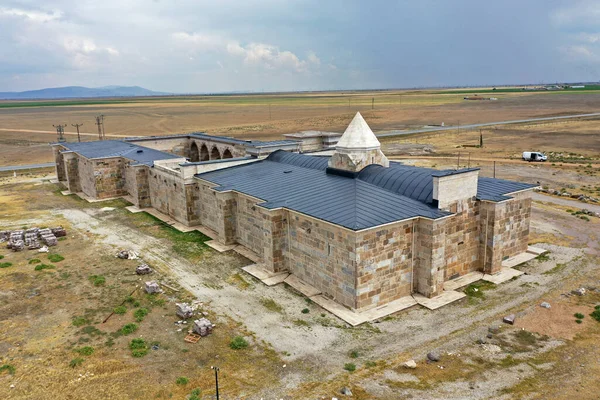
(117, 148)
(492, 189)
(375, 196)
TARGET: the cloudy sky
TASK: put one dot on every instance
(225, 45)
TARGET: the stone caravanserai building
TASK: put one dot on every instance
(355, 228)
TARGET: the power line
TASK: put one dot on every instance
(77, 126)
(60, 132)
(100, 123)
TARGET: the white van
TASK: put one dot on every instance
(534, 156)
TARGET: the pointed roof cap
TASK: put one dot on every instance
(358, 136)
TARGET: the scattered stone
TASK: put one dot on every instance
(509, 319)
(433, 356)
(123, 254)
(491, 348)
(43, 249)
(411, 364)
(346, 391)
(545, 305)
(203, 327)
(59, 231)
(152, 287)
(494, 329)
(155, 347)
(579, 292)
(143, 269)
(482, 341)
(184, 310)
(489, 336)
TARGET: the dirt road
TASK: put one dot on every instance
(566, 202)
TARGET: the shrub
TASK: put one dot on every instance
(195, 394)
(97, 280)
(596, 314)
(9, 368)
(305, 311)
(5, 265)
(370, 364)
(138, 347)
(41, 267)
(354, 354)
(128, 329)
(579, 315)
(578, 321)
(76, 362)
(80, 321)
(137, 343)
(35, 261)
(1, 256)
(271, 304)
(350, 367)
(120, 310)
(53, 257)
(238, 343)
(182, 380)
(85, 351)
(140, 313)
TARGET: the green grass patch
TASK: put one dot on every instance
(238, 343)
(370, 364)
(8, 368)
(195, 394)
(138, 347)
(182, 380)
(579, 315)
(5, 264)
(543, 257)
(41, 267)
(350, 367)
(271, 305)
(92, 331)
(76, 362)
(140, 313)
(559, 267)
(97, 280)
(509, 361)
(35, 261)
(80, 321)
(1, 256)
(301, 322)
(154, 299)
(353, 354)
(128, 329)
(476, 290)
(85, 351)
(54, 257)
(120, 310)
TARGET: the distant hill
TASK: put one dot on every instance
(80, 92)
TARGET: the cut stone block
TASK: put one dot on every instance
(152, 287)
(184, 310)
(203, 327)
(509, 319)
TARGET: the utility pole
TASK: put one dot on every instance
(60, 132)
(77, 126)
(269, 112)
(494, 169)
(458, 128)
(372, 103)
(216, 369)
(480, 139)
(458, 161)
(100, 123)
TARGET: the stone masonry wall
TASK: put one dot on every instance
(322, 255)
(430, 246)
(61, 175)
(71, 166)
(462, 239)
(87, 176)
(208, 205)
(250, 225)
(169, 195)
(136, 184)
(384, 259)
(110, 177)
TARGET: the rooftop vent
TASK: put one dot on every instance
(140, 151)
(287, 172)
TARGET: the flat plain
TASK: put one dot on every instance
(53, 338)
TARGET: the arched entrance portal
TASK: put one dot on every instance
(227, 154)
(214, 154)
(194, 152)
(204, 153)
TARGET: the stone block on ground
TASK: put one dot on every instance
(143, 269)
(203, 327)
(184, 310)
(152, 287)
(411, 364)
(545, 305)
(579, 292)
(59, 231)
(509, 319)
(433, 356)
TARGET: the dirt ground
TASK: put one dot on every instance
(26, 131)
(291, 354)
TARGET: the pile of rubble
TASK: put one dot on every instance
(127, 255)
(32, 238)
(581, 197)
